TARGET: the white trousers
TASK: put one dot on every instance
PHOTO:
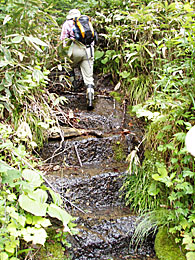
(84, 58)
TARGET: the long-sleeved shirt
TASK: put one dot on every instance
(67, 31)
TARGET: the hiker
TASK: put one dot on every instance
(81, 54)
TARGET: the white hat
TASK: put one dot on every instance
(190, 141)
(73, 13)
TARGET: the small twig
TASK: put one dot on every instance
(124, 113)
(36, 252)
(79, 159)
(54, 155)
(27, 255)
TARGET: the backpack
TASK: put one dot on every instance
(83, 29)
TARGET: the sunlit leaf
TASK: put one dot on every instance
(35, 207)
(38, 195)
(4, 256)
(6, 19)
(17, 39)
(98, 54)
(56, 212)
(190, 255)
(153, 190)
(125, 74)
(34, 179)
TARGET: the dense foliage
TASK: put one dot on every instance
(148, 47)
(151, 56)
(28, 50)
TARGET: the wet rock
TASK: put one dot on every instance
(88, 171)
(88, 150)
(99, 238)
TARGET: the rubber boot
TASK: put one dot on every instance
(73, 80)
(90, 96)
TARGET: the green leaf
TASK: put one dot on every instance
(39, 195)
(190, 247)
(162, 174)
(180, 136)
(10, 174)
(36, 235)
(188, 173)
(3, 256)
(104, 61)
(187, 239)
(150, 54)
(190, 255)
(39, 236)
(125, 74)
(162, 171)
(17, 39)
(56, 212)
(37, 75)
(37, 41)
(33, 178)
(153, 190)
(98, 54)
(40, 222)
(32, 206)
(6, 19)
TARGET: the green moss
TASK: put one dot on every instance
(119, 151)
(53, 249)
(166, 248)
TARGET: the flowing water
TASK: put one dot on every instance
(88, 168)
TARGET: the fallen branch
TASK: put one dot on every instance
(73, 132)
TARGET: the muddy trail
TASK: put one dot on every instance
(87, 161)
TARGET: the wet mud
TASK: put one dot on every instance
(88, 169)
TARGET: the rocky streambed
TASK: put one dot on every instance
(87, 160)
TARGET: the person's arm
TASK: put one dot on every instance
(67, 31)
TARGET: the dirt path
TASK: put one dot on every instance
(88, 167)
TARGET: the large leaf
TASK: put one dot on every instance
(98, 54)
(9, 174)
(36, 235)
(38, 195)
(153, 190)
(4, 256)
(37, 41)
(33, 178)
(162, 174)
(35, 207)
(190, 255)
(56, 212)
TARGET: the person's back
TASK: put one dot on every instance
(80, 54)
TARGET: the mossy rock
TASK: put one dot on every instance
(166, 248)
(51, 251)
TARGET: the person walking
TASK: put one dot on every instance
(81, 55)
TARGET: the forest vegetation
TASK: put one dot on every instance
(148, 47)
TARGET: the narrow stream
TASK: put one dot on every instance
(88, 169)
